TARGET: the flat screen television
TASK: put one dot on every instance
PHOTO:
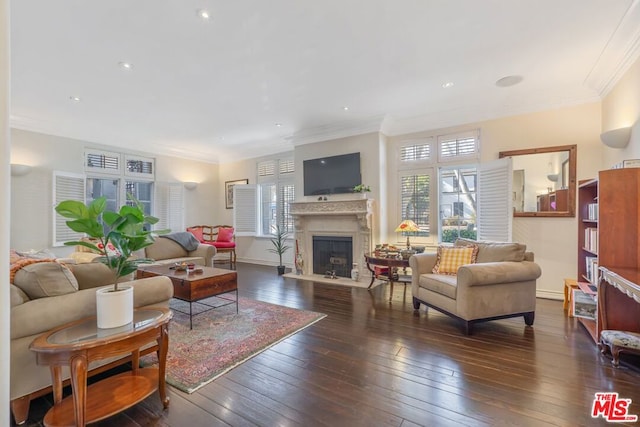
(331, 175)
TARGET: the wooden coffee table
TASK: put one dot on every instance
(193, 287)
(79, 343)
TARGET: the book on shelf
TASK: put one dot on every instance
(583, 305)
(588, 288)
(629, 163)
(591, 239)
(592, 211)
(591, 268)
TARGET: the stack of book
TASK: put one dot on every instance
(592, 213)
(592, 269)
(591, 239)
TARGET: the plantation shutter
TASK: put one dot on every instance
(415, 200)
(169, 206)
(495, 201)
(245, 209)
(102, 162)
(66, 186)
(458, 146)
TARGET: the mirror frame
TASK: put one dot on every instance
(571, 203)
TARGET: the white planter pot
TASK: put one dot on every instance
(114, 309)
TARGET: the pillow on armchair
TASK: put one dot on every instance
(225, 238)
(197, 232)
(451, 258)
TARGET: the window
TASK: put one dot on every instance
(415, 199)
(458, 189)
(276, 191)
(102, 162)
(454, 186)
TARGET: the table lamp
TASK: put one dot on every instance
(407, 226)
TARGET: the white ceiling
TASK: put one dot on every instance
(214, 90)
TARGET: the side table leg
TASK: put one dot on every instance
(78, 365)
(56, 381)
(163, 346)
(373, 276)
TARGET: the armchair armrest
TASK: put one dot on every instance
(421, 264)
(492, 273)
(205, 251)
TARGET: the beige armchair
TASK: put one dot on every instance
(501, 284)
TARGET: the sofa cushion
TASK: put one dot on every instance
(165, 249)
(450, 258)
(94, 274)
(441, 284)
(45, 279)
(496, 251)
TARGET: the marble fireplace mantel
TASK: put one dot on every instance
(350, 218)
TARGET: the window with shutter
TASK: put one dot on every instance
(102, 162)
(495, 201)
(415, 152)
(458, 203)
(415, 200)
(139, 166)
(169, 206)
(66, 186)
(458, 147)
(245, 209)
(275, 192)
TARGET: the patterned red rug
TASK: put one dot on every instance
(221, 339)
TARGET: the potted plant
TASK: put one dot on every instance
(362, 189)
(279, 246)
(116, 236)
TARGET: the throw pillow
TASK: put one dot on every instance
(197, 233)
(225, 234)
(45, 279)
(451, 258)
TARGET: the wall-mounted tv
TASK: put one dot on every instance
(331, 175)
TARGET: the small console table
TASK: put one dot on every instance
(392, 275)
(78, 343)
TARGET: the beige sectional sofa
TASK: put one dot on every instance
(501, 284)
(45, 295)
(166, 251)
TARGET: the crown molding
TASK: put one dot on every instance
(621, 51)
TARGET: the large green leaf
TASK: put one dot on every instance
(72, 209)
(97, 207)
(86, 225)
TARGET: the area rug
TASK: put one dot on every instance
(221, 339)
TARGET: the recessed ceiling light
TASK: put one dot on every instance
(278, 125)
(75, 98)
(509, 81)
(447, 85)
(204, 14)
(345, 108)
(125, 65)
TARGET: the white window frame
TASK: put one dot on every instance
(278, 171)
(66, 186)
(432, 166)
(100, 170)
(144, 176)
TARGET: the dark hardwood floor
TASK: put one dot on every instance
(372, 362)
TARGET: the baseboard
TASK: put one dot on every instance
(548, 294)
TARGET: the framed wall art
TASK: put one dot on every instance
(228, 191)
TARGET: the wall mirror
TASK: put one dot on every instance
(544, 181)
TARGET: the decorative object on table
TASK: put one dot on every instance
(221, 339)
(115, 236)
(407, 226)
(355, 273)
(279, 246)
(362, 189)
(228, 191)
(299, 261)
(406, 253)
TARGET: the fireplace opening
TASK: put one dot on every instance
(332, 254)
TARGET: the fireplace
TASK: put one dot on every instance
(340, 220)
(332, 254)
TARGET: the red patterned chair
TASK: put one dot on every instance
(221, 236)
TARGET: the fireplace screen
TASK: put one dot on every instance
(333, 255)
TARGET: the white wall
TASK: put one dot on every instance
(621, 108)
(32, 198)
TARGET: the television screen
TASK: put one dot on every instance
(331, 175)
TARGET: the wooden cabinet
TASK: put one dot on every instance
(608, 231)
